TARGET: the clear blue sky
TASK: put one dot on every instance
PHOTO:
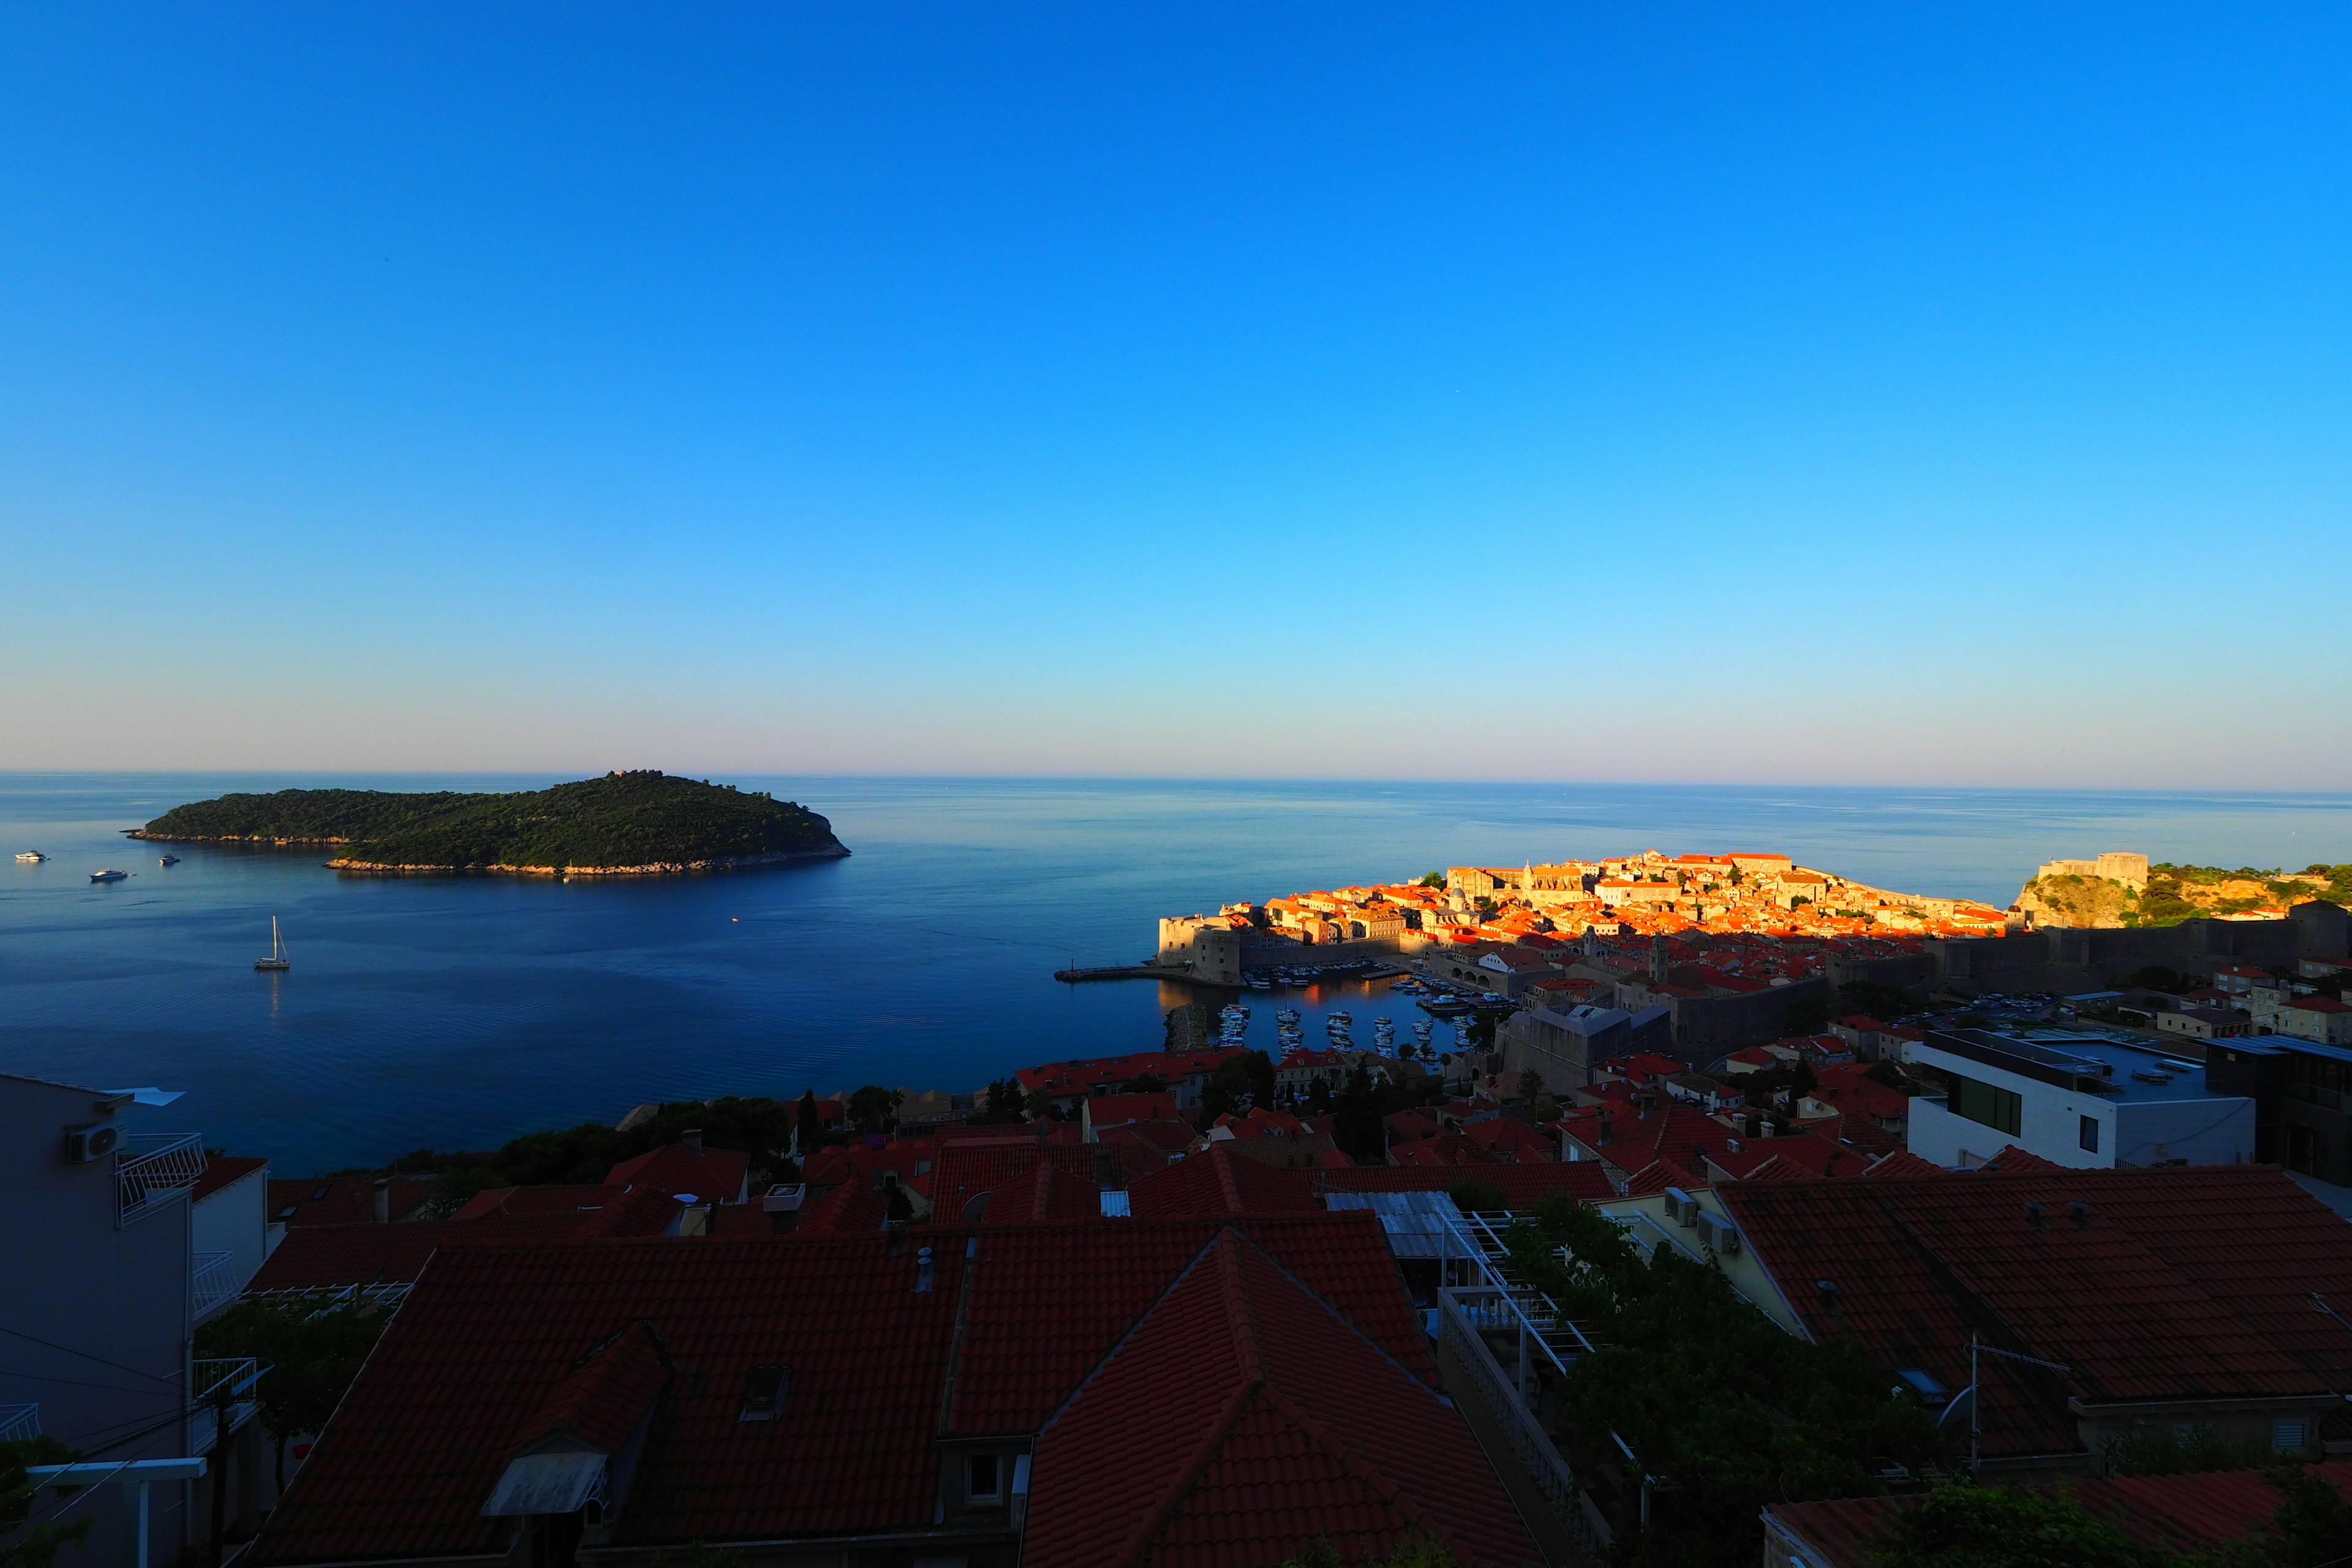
(1793, 393)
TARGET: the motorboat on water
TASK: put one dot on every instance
(277, 959)
(109, 875)
(169, 860)
(31, 856)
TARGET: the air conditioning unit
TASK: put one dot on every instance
(1681, 1207)
(1719, 1233)
(94, 1141)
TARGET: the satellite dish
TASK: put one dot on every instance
(1961, 1411)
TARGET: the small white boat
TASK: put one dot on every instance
(31, 856)
(277, 959)
(169, 860)
(108, 876)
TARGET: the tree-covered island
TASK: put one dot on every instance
(625, 824)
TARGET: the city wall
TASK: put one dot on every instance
(2065, 958)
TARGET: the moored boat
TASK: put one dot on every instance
(109, 875)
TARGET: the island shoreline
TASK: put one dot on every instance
(380, 869)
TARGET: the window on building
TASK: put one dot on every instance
(984, 1479)
(1998, 1108)
(765, 1389)
(2290, 1437)
(2089, 1136)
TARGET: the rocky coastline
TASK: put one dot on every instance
(566, 873)
(562, 873)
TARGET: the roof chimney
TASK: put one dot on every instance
(2033, 1216)
(384, 1200)
(922, 1269)
(1828, 1288)
(692, 1139)
(2081, 1214)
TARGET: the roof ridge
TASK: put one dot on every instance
(1344, 1321)
(1128, 1332)
(1224, 1167)
(1137, 1545)
(1367, 1474)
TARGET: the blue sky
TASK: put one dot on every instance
(1841, 394)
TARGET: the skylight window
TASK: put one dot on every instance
(764, 1390)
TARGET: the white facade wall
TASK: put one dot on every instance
(2201, 1132)
(2204, 1130)
(234, 1220)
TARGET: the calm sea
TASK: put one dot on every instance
(455, 1014)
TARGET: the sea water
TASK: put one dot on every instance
(455, 1012)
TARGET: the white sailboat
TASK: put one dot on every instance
(277, 959)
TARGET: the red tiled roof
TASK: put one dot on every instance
(517, 1203)
(607, 1392)
(1048, 1302)
(966, 1170)
(853, 1209)
(220, 1170)
(1112, 1110)
(330, 1256)
(419, 1442)
(1272, 1428)
(2190, 1283)
(1509, 1137)
(2178, 1513)
(2013, 1160)
(1044, 1193)
(342, 1200)
(715, 1175)
(1446, 1149)
(1214, 1183)
(1903, 1163)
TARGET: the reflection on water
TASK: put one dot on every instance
(458, 1012)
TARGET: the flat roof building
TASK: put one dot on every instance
(2074, 1097)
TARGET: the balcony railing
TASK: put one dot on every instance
(221, 1393)
(153, 1168)
(212, 1283)
(19, 1423)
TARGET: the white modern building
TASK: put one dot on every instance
(2071, 1095)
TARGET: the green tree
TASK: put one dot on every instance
(873, 1109)
(1986, 1527)
(1888, 1073)
(1532, 1085)
(1002, 1104)
(1247, 1079)
(811, 1123)
(313, 1353)
(1415, 1551)
(1724, 1409)
(1475, 1195)
(2312, 1529)
(1356, 1126)
(38, 1547)
(1433, 880)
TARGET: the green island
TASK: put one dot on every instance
(625, 824)
(2178, 893)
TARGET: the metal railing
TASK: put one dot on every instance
(19, 1423)
(324, 1297)
(221, 1395)
(153, 1168)
(212, 1283)
(1463, 1312)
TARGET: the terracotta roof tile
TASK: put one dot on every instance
(1272, 1427)
(2173, 1284)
